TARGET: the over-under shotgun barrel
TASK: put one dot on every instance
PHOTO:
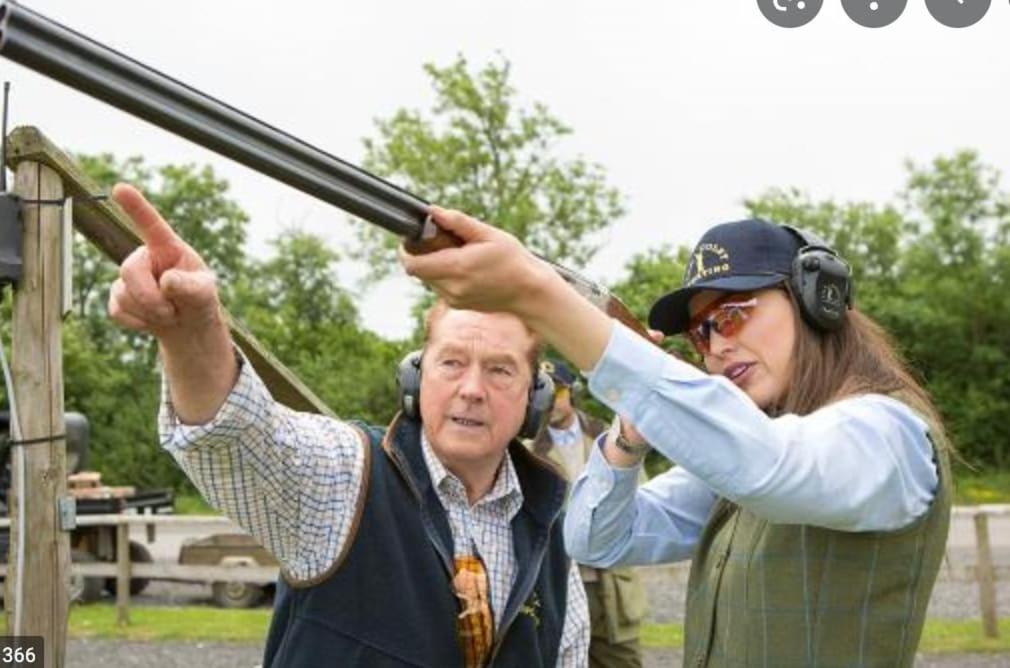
(43, 45)
(51, 49)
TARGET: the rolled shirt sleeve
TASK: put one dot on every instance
(290, 479)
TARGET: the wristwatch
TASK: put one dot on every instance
(634, 449)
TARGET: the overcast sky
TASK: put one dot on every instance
(690, 105)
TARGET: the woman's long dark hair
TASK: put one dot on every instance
(859, 358)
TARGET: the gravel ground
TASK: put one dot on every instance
(666, 586)
(91, 653)
(113, 654)
(952, 599)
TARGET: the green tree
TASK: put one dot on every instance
(868, 236)
(194, 201)
(110, 374)
(294, 303)
(295, 293)
(953, 315)
(648, 276)
(479, 152)
(120, 400)
(933, 268)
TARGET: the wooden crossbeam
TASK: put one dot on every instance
(105, 224)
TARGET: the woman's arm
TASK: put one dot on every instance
(860, 464)
(612, 521)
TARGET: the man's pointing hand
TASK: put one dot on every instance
(164, 286)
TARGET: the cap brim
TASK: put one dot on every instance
(670, 314)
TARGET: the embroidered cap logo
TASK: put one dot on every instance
(707, 261)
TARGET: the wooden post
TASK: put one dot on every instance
(123, 574)
(37, 370)
(986, 576)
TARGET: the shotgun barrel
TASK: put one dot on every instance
(55, 51)
(51, 49)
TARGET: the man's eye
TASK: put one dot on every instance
(501, 370)
(451, 363)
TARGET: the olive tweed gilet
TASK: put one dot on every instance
(764, 594)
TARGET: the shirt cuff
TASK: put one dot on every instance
(246, 402)
(603, 479)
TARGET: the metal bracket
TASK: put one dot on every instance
(67, 507)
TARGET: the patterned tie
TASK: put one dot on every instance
(475, 624)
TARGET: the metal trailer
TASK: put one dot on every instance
(230, 549)
(90, 544)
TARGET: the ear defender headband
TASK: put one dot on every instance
(574, 388)
(538, 405)
(821, 281)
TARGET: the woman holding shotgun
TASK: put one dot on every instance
(812, 490)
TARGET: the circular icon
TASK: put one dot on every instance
(875, 13)
(790, 13)
(958, 13)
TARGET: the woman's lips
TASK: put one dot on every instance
(738, 372)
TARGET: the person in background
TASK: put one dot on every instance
(616, 597)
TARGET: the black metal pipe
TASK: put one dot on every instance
(43, 45)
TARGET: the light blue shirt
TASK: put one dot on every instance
(860, 464)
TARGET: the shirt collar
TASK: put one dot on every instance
(505, 490)
(567, 436)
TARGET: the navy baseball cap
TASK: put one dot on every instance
(559, 372)
(732, 257)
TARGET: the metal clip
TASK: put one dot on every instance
(67, 507)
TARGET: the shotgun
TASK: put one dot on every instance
(57, 52)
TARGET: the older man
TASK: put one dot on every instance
(435, 542)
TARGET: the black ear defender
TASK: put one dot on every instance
(538, 406)
(408, 385)
(821, 281)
